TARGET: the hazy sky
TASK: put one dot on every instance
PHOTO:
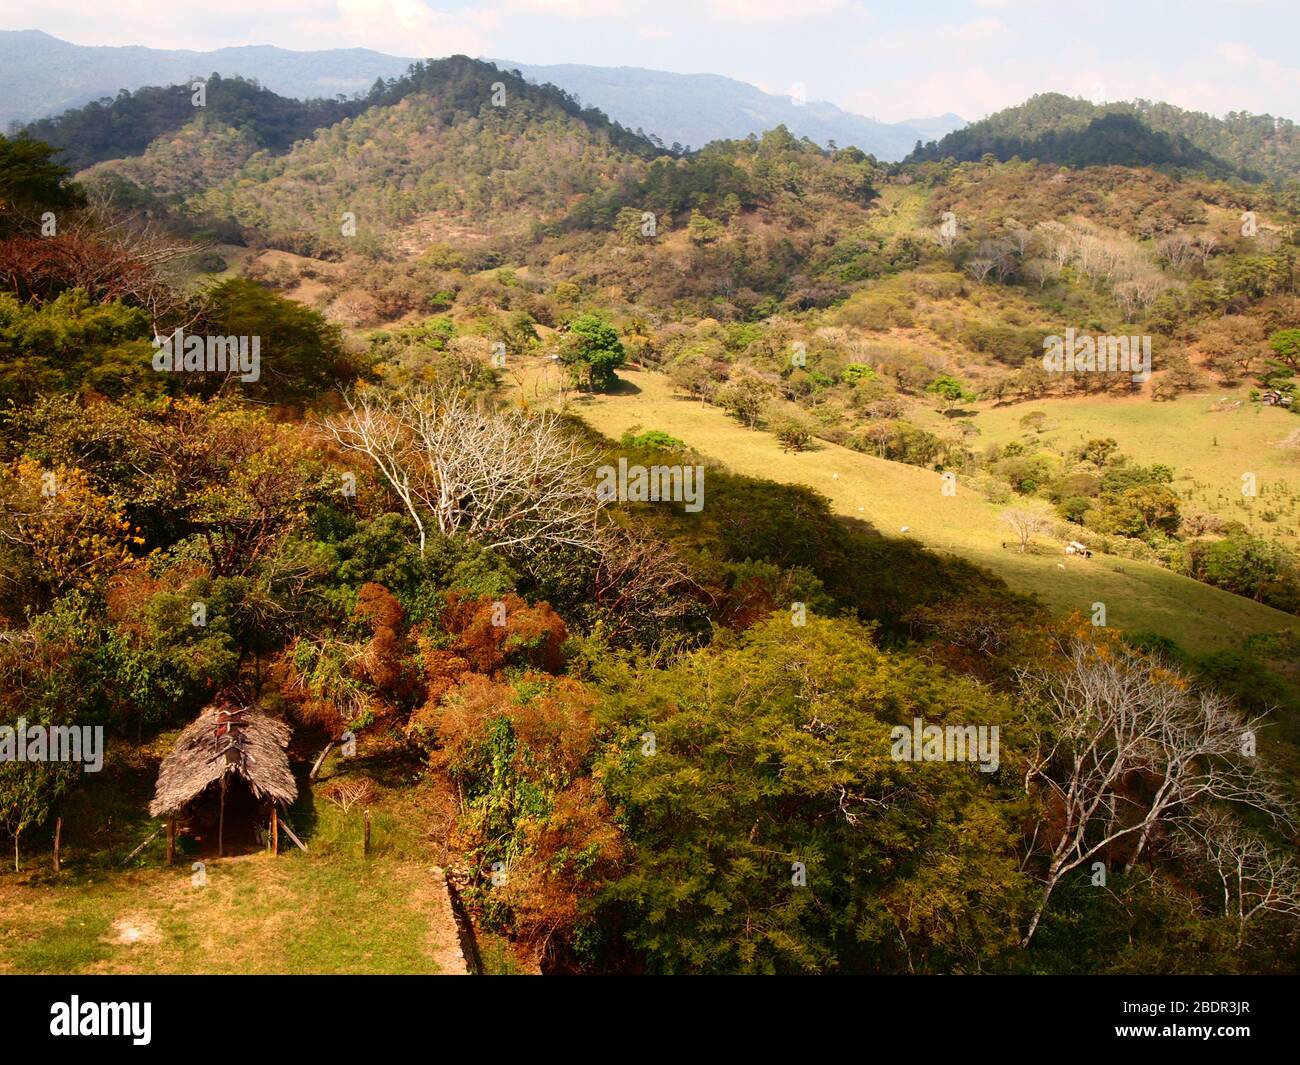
(893, 60)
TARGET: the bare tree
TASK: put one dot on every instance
(1019, 237)
(1024, 523)
(640, 582)
(1254, 877)
(1055, 239)
(1041, 271)
(980, 268)
(138, 261)
(1121, 744)
(511, 479)
(1177, 249)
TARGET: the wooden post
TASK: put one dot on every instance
(290, 833)
(365, 850)
(275, 829)
(58, 835)
(221, 817)
(316, 768)
(141, 845)
(171, 838)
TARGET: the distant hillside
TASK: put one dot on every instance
(427, 143)
(41, 76)
(1053, 128)
(694, 109)
(129, 123)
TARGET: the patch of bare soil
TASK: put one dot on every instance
(133, 929)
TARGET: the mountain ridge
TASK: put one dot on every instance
(1054, 128)
(30, 90)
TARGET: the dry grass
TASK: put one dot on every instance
(892, 496)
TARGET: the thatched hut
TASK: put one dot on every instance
(225, 754)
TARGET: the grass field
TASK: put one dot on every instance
(1138, 596)
(1208, 450)
(329, 910)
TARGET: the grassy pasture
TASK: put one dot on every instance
(891, 496)
(1208, 449)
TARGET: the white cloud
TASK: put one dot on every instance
(572, 9)
(750, 12)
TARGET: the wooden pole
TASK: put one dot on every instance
(289, 831)
(365, 850)
(275, 829)
(58, 835)
(142, 846)
(316, 768)
(171, 838)
(221, 817)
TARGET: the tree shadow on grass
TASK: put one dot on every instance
(622, 387)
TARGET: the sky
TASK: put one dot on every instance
(889, 60)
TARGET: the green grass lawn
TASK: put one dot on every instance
(329, 910)
(891, 496)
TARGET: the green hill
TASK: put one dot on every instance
(1053, 128)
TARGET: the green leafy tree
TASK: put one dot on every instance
(31, 182)
(592, 352)
(775, 832)
(1286, 346)
(744, 397)
(950, 391)
(301, 353)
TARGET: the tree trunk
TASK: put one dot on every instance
(58, 837)
(1053, 876)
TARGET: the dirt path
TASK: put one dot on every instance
(444, 935)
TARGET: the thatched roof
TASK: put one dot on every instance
(224, 739)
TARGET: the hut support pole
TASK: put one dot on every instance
(221, 818)
(171, 839)
(275, 829)
(289, 832)
(316, 768)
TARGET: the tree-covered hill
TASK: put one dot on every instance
(1053, 128)
(129, 123)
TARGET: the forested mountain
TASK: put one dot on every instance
(1053, 128)
(455, 137)
(131, 121)
(41, 76)
(694, 109)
